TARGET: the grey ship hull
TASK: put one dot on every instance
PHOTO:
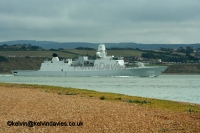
(137, 71)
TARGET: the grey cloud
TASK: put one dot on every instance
(143, 21)
(153, 10)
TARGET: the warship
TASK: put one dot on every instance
(103, 65)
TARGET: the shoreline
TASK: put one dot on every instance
(89, 93)
(126, 89)
(161, 74)
(99, 112)
(180, 74)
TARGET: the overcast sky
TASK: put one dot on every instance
(99, 21)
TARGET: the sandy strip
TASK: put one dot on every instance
(22, 104)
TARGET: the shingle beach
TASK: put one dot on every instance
(95, 115)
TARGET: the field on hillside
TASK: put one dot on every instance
(20, 63)
(109, 52)
(44, 53)
(70, 53)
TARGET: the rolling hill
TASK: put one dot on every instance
(72, 45)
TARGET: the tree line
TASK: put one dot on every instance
(19, 47)
(169, 58)
(187, 50)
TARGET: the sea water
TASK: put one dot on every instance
(185, 88)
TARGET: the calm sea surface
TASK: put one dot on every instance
(184, 88)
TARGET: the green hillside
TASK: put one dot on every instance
(123, 53)
(31, 60)
(69, 53)
(45, 53)
(20, 63)
(183, 69)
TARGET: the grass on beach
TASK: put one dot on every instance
(148, 102)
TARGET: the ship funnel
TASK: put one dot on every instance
(55, 55)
